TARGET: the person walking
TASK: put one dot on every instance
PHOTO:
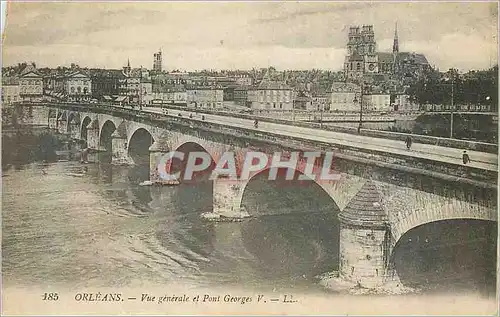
(408, 142)
(465, 157)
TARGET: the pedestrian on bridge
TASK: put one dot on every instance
(465, 157)
(408, 142)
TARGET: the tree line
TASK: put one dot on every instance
(473, 87)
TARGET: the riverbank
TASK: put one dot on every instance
(31, 144)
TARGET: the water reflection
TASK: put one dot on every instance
(282, 197)
(293, 246)
(455, 253)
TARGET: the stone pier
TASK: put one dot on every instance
(120, 150)
(156, 152)
(364, 239)
(74, 130)
(227, 196)
(93, 141)
(62, 126)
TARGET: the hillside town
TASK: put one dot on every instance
(372, 80)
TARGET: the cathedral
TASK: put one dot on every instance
(363, 60)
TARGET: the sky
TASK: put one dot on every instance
(244, 35)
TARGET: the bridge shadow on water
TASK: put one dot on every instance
(295, 232)
(458, 255)
(121, 183)
(293, 238)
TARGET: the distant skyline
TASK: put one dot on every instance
(244, 35)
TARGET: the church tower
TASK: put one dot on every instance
(157, 61)
(395, 50)
(361, 55)
(395, 45)
(127, 69)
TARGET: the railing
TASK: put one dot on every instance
(440, 141)
(424, 139)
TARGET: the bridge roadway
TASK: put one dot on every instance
(481, 160)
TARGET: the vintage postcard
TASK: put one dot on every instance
(249, 158)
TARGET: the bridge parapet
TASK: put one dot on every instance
(424, 139)
(446, 142)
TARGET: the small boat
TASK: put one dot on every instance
(76, 174)
(81, 174)
(172, 182)
(160, 183)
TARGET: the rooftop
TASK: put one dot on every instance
(414, 57)
(384, 57)
(273, 85)
(338, 86)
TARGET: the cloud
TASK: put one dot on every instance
(220, 58)
(54, 33)
(458, 50)
(289, 11)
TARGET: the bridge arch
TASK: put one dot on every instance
(83, 130)
(178, 165)
(73, 122)
(308, 187)
(138, 145)
(455, 252)
(417, 221)
(103, 119)
(432, 208)
(106, 141)
(297, 218)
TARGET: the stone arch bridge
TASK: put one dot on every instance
(380, 197)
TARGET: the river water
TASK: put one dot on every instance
(104, 230)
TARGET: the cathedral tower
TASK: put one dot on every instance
(157, 61)
(361, 52)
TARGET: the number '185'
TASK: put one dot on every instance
(50, 296)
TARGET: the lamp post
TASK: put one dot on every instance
(452, 96)
(451, 103)
(360, 108)
(322, 104)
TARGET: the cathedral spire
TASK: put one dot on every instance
(395, 45)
